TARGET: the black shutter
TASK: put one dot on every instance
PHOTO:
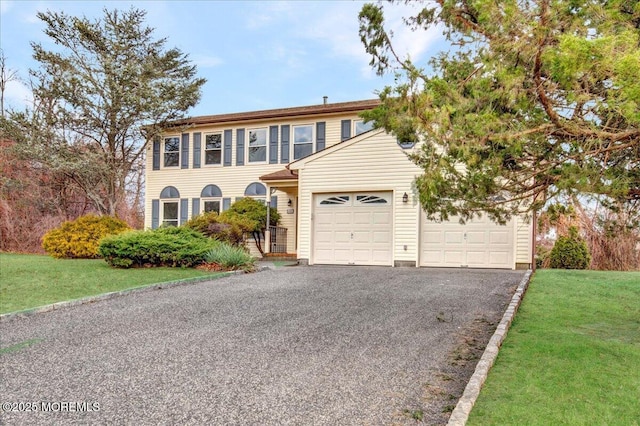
(240, 147)
(345, 130)
(197, 141)
(227, 147)
(273, 144)
(185, 151)
(284, 144)
(155, 213)
(156, 153)
(320, 133)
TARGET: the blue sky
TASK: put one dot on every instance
(254, 54)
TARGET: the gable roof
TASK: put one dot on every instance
(299, 164)
(328, 108)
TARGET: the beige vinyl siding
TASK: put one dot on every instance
(523, 239)
(233, 180)
(374, 163)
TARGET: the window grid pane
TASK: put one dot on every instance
(170, 214)
(213, 149)
(257, 145)
(171, 151)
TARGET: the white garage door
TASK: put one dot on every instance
(480, 243)
(353, 228)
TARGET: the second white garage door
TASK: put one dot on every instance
(353, 228)
(480, 243)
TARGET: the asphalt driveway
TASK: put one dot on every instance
(299, 345)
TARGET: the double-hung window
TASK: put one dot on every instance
(302, 141)
(257, 145)
(171, 151)
(213, 149)
(170, 213)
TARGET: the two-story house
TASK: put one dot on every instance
(344, 191)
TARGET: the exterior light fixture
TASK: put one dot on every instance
(289, 203)
(405, 198)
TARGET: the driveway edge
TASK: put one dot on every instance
(111, 295)
(460, 414)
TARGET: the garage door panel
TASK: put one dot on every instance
(324, 236)
(381, 218)
(323, 218)
(498, 258)
(433, 237)
(383, 237)
(342, 218)
(453, 237)
(362, 218)
(453, 257)
(340, 237)
(499, 237)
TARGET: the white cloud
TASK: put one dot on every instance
(17, 95)
(5, 6)
(205, 61)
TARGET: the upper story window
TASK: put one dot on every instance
(302, 141)
(257, 145)
(361, 126)
(171, 151)
(213, 149)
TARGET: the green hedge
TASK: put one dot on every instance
(170, 246)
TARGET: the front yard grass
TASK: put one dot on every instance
(29, 281)
(572, 356)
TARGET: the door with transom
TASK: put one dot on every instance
(354, 228)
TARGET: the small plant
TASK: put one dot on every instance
(171, 246)
(570, 252)
(415, 414)
(80, 238)
(230, 257)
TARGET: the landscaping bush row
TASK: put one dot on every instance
(170, 246)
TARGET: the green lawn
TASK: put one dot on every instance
(28, 281)
(572, 356)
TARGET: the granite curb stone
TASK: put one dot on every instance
(460, 414)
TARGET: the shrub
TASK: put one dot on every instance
(170, 246)
(229, 229)
(252, 211)
(79, 239)
(230, 257)
(570, 252)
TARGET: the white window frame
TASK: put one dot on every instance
(171, 222)
(219, 134)
(165, 152)
(363, 123)
(266, 145)
(294, 143)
